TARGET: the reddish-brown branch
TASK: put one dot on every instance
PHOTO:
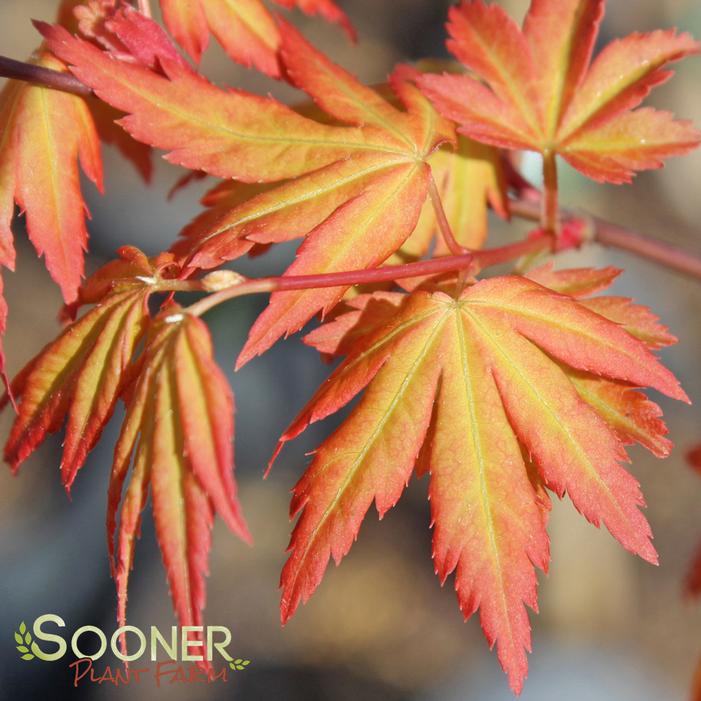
(390, 273)
(614, 236)
(603, 232)
(659, 252)
(47, 77)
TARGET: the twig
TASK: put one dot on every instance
(390, 273)
(614, 236)
(47, 77)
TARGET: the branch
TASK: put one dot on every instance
(615, 236)
(46, 77)
(437, 266)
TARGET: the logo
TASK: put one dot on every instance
(23, 638)
(187, 654)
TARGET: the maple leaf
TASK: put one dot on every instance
(542, 92)
(356, 190)
(240, 217)
(43, 135)
(245, 28)
(78, 378)
(178, 430)
(464, 388)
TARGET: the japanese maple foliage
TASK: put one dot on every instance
(500, 389)
(542, 92)
(469, 384)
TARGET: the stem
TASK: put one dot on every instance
(344, 279)
(614, 236)
(665, 254)
(46, 77)
(550, 215)
(443, 224)
(390, 273)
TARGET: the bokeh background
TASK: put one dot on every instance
(380, 627)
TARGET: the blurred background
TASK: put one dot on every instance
(380, 627)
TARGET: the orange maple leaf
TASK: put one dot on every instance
(472, 389)
(178, 433)
(536, 88)
(43, 135)
(79, 377)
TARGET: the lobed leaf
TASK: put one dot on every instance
(464, 387)
(363, 232)
(238, 217)
(44, 134)
(542, 92)
(178, 430)
(78, 378)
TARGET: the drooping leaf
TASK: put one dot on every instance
(78, 377)
(464, 388)
(178, 430)
(44, 134)
(245, 28)
(542, 92)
